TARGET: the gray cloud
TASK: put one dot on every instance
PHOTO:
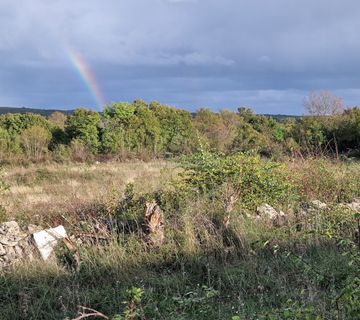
(216, 53)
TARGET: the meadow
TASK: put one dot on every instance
(179, 215)
(250, 268)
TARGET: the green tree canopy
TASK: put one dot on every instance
(84, 125)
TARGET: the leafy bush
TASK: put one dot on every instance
(247, 178)
(62, 153)
(83, 125)
(35, 141)
(9, 144)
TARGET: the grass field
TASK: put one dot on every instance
(39, 192)
(251, 270)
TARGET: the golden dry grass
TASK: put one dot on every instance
(41, 191)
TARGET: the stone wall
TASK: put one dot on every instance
(14, 244)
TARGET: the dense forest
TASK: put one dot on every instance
(148, 131)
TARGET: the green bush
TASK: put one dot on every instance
(83, 125)
(35, 141)
(61, 153)
(248, 178)
(9, 145)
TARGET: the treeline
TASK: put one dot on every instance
(146, 131)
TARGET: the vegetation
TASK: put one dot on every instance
(247, 269)
(43, 112)
(219, 257)
(150, 131)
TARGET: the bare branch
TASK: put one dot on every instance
(85, 312)
(323, 103)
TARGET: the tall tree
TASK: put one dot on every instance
(83, 125)
(323, 103)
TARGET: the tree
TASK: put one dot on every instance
(57, 122)
(58, 119)
(83, 125)
(323, 103)
(17, 122)
(177, 130)
(348, 130)
(116, 134)
(119, 111)
(9, 144)
(113, 138)
(35, 141)
(246, 112)
(144, 128)
(211, 128)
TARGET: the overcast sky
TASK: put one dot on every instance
(266, 54)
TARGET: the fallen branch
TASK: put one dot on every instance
(85, 312)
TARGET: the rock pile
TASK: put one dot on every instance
(14, 244)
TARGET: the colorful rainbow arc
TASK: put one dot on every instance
(86, 75)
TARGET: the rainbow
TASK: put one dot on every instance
(86, 74)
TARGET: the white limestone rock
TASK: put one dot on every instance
(47, 240)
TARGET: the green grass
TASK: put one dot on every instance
(251, 269)
(193, 287)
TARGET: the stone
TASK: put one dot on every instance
(32, 228)
(11, 237)
(11, 254)
(19, 252)
(16, 244)
(267, 212)
(2, 250)
(7, 242)
(4, 240)
(10, 233)
(317, 204)
(47, 240)
(354, 205)
(9, 227)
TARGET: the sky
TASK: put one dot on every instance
(264, 54)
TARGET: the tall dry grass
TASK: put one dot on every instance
(50, 193)
(254, 267)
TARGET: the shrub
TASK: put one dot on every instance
(62, 153)
(80, 151)
(83, 125)
(326, 180)
(113, 139)
(9, 144)
(35, 141)
(16, 122)
(247, 178)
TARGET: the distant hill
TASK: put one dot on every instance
(279, 117)
(282, 116)
(47, 112)
(43, 112)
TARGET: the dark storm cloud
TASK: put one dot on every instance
(191, 53)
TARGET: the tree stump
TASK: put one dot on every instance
(154, 224)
